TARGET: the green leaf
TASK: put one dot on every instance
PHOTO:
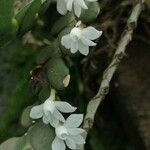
(44, 7)
(41, 136)
(90, 14)
(26, 121)
(45, 92)
(20, 15)
(27, 15)
(51, 51)
(58, 73)
(63, 22)
(16, 143)
(38, 137)
(6, 15)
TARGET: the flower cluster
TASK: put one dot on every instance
(79, 39)
(67, 131)
(72, 5)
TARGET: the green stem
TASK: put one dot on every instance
(52, 95)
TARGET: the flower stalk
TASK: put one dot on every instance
(52, 94)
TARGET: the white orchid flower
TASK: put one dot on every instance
(50, 111)
(80, 39)
(68, 5)
(69, 133)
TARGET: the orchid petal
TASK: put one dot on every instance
(75, 131)
(70, 143)
(58, 144)
(61, 7)
(91, 33)
(66, 41)
(83, 49)
(36, 112)
(74, 121)
(78, 139)
(58, 115)
(64, 107)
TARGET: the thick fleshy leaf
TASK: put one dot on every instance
(64, 107)
(75, 131)
(57, 71)
(90, 14)
(41, 136)
(70, 143)
(36, 112)
(9, 144)
(58, 144)
(6, 25)
(91, 33)
(16, 143)
(74, 121)
(50, 51)
(62, 23)
(30, 15)
(26, 120)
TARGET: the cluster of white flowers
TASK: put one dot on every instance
(79, 39)
(68, 5)
(67, 131)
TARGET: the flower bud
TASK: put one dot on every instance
(49, 52)
(62, 23)
(58, 73)
(90, 14)
(15, 25)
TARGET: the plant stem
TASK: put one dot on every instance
(52, 95)
(126, 37)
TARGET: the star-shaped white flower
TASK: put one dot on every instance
(69, 134)
(50, 110)
(80, 39)
(68, 5)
